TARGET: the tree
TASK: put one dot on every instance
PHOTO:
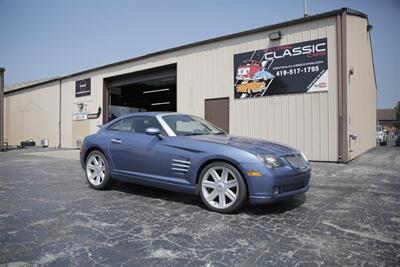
(397, 122)
(397, 108)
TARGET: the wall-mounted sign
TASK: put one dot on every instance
(82, 87)
(79, 116)
(83, 115)
(287, 69)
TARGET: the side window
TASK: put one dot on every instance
(115, 126)
(124, 125)
(140, 124)
(136, 124)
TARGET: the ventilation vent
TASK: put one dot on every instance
(180, 166)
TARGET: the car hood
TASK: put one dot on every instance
(254, 146)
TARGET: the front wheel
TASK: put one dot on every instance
(98, 171)
(222, 188)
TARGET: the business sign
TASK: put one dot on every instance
(286, 69)
(79, 116)
(82, 87)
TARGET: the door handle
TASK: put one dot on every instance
(116, 141)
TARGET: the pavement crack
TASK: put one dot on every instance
(362, 234)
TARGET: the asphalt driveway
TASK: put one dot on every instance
(49, 216)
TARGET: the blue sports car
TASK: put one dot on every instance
(185, 153)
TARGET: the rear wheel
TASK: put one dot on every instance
(98, 171)
(222, 188)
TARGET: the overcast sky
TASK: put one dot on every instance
(40, 39)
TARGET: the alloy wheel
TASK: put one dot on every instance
(95, 169)
(220, 187)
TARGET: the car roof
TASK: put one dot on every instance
(149, 114)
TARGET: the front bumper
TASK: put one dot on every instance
(276, 185)
(257, 200)
(82, 153)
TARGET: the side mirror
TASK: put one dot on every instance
(154, 131)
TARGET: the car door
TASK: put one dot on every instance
(137, 154)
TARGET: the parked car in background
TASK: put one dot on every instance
(381, 136)
(185, 153)
(397, 138)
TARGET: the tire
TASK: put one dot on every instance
(221, 187)
(98, 175)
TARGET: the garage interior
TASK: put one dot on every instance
(148, 90)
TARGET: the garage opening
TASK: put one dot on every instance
(148, 90)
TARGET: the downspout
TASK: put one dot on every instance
(343, 155)
(2, 70)
(59, 116)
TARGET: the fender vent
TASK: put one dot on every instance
(180, 166)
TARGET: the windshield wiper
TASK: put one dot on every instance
(220, 133)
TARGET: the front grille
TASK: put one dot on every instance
(297, 161)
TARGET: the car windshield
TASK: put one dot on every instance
(190, 125)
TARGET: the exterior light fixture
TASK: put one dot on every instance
(369, 27)
(161, 103)
(353, 136)
(155, 91)
(80, 106)
(275, 35)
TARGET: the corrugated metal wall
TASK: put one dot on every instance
(307, 122)
(361, 92)
(32, 113)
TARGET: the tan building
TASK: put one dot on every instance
(309, 83)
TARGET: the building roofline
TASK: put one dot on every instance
(207, 41)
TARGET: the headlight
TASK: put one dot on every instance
(304, 156)
(271, 161)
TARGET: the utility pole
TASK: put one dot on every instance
(305, 8)
(2, 70)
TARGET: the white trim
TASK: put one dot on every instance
(167, 129)
(180, 165)
(178, 169)
(181, 161)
